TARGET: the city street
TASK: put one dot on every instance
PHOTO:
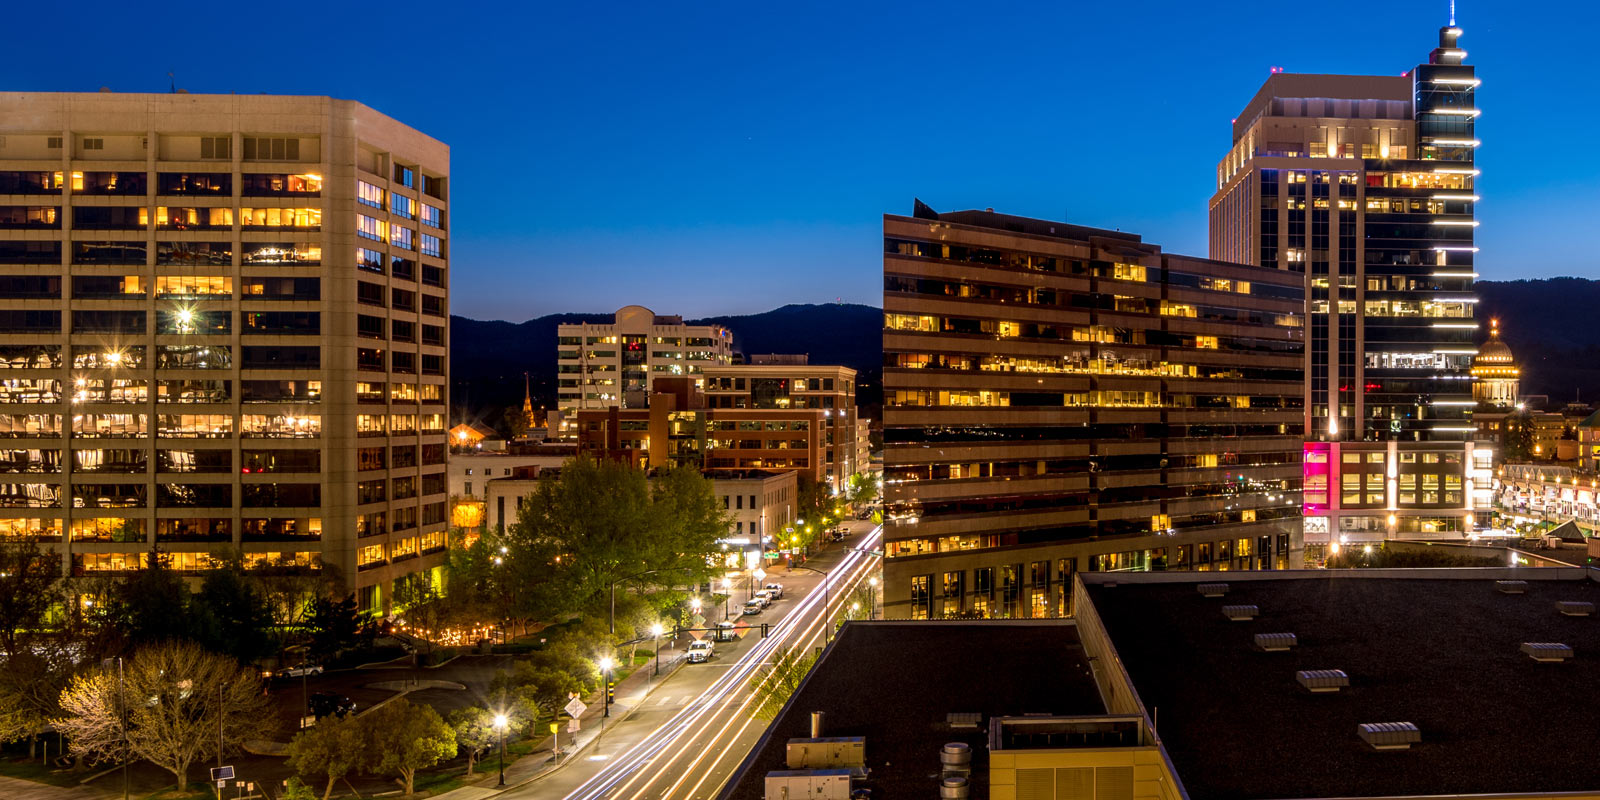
(685, 737)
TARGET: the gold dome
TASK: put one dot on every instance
(1494, 359)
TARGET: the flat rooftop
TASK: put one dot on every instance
(894, 683)
(1441, 653)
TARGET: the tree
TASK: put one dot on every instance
(152, 605)
(406, 737)
(1517, 443)
(777, 682)
(30, 690)
(334, 625)
(330, 749)
(30, 582)
(475, 732)
(230, 615)
(293, 789)
(181, 690)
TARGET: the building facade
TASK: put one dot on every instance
(1364, 185)
(793, 386)
(1059, 398)
(615, 363)
(225, 319)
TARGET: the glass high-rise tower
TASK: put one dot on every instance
(1366, 185)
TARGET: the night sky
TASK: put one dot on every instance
(721, 158)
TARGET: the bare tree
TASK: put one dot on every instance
(181, 704)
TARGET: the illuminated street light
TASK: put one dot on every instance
(500, 724)
(605, 671)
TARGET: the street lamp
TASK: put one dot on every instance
(500, 723)
(605, 671)
(826, 634)
(655, 631)
(872, 597)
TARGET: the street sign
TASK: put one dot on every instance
(575, 708)
(697, 621)
(222, 773)
(573, 725)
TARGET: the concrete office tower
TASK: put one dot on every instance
(784, 386)
(1060, 398)
(223, 323)
(1365, 185)
(612, 364)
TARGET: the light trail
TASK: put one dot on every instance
(699, 714)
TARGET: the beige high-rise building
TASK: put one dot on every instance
(613, 364)
(223, 327)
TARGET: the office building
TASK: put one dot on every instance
(616, 362)
(1363, 185)
(796, 384)
(224, 323)
(1059, 398)
(1154, 691)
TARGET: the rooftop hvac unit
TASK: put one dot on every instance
(1575, 608)
(1547, 651)
(953, 787)
(1241, 613)
(955, 758)
(826, 753)
(808, 784)
(1212, 589)
(1323, 680)
(963, 720)
(1390, 735)
(1511, 587)
(1276, 642)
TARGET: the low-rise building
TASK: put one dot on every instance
(793, 384)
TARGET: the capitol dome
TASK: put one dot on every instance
(1494, 371)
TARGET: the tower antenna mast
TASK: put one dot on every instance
(1452, 13)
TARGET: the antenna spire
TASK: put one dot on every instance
(1452, 13)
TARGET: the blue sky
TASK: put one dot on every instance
(723, 158)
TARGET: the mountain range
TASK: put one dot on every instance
(1545, 322)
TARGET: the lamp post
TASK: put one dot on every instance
(605, 672)
(655, 631)
(872, 597)
(826, 623)
(500, 723)
(122, 721)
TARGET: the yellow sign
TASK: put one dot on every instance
(554, 728)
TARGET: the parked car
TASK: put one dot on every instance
(303, 669)
(766, 597)
(837, 534)
(723, 632)
(776, 589)
(753, 607)
(324, 704)
(700, 650)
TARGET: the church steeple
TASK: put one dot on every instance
(527, 395)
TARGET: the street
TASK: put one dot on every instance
(684, 739)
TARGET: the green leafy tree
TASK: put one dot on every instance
(334, 625)
(152, 605)
(777, 681)
(1516, 445)
(406, 737)
(31, 682)
(475, 732)
(172, 696)
(230, 615)
(30, 583)
(329, 750)
(294, 789)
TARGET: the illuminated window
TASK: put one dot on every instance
(1205, 342)
(1128, 272)
(372, 228)
(370, 195)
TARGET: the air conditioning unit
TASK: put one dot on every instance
(1241, 613)
(826, 753)
(808, 784)
(1323, 680)
(1575, 608)
(1511, 587)
(1276, 642)
(1212, 589)
(1390, 735)
(1549, 652)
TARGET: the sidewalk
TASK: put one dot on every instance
(18, 789)
(632, 691)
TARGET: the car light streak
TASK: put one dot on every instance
(700, 715)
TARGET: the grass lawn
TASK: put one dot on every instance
(39, 773)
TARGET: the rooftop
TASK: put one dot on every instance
(895, 682)
(1441, 653)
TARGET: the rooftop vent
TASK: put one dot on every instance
(1213, 589)
(1276, 642)
(1511, 587)
(964, 719)
(955, 758)
(1390, 735)
(1323, 680)
(1240, 613)
(1575, 608)
(953, 787)
(1552, 652)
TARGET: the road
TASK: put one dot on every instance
(695, 728)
